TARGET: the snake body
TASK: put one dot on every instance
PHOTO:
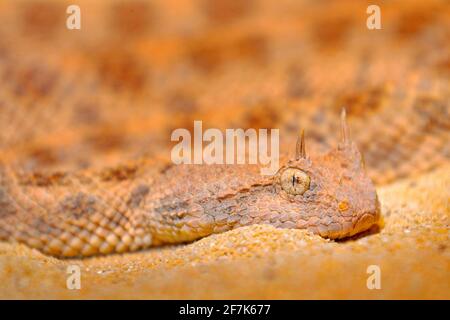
(85, 124)
(187, 202)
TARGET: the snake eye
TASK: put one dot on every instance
(294, 181)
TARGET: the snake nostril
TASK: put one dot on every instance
(343, 206)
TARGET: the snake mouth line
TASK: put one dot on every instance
(366, 222)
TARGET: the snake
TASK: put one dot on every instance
(77, 178)
(188, 202)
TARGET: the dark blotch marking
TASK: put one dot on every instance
(138, 195)
(7, 207)
(223, 206)
(121, 71)
(106, 139)
(42, 18)
(41, 226)
(120, 173)
(433, 112)
(263, 115)
(86, 113)
(209, 55)
(330, 33)
(41, 179)
(206, 56)
(361, 103)
(181, 101)
(442, 66)
(171, 204)
(132, 18)
(36, 81)
(43, 156)
(253, 47)
(297, 86)
(79, 205)
(413, 22)
(225, 11)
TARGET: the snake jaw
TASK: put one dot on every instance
(346, 229)
(365, 222)
(360, 221)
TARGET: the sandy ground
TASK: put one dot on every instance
(261, 262)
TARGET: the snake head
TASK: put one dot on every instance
(331, 194)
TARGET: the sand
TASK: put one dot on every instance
(261, 262)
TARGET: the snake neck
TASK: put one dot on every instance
(177, 220)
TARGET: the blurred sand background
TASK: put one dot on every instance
(115, 90)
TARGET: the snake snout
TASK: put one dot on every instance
(365, 215)
(352, 221)
(365, 222)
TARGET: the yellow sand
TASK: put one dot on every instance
(258, 262)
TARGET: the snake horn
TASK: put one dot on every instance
(344, 127)
(300, 151)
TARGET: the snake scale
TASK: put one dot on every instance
(86, 117)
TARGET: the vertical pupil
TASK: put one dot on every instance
(293, 180)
